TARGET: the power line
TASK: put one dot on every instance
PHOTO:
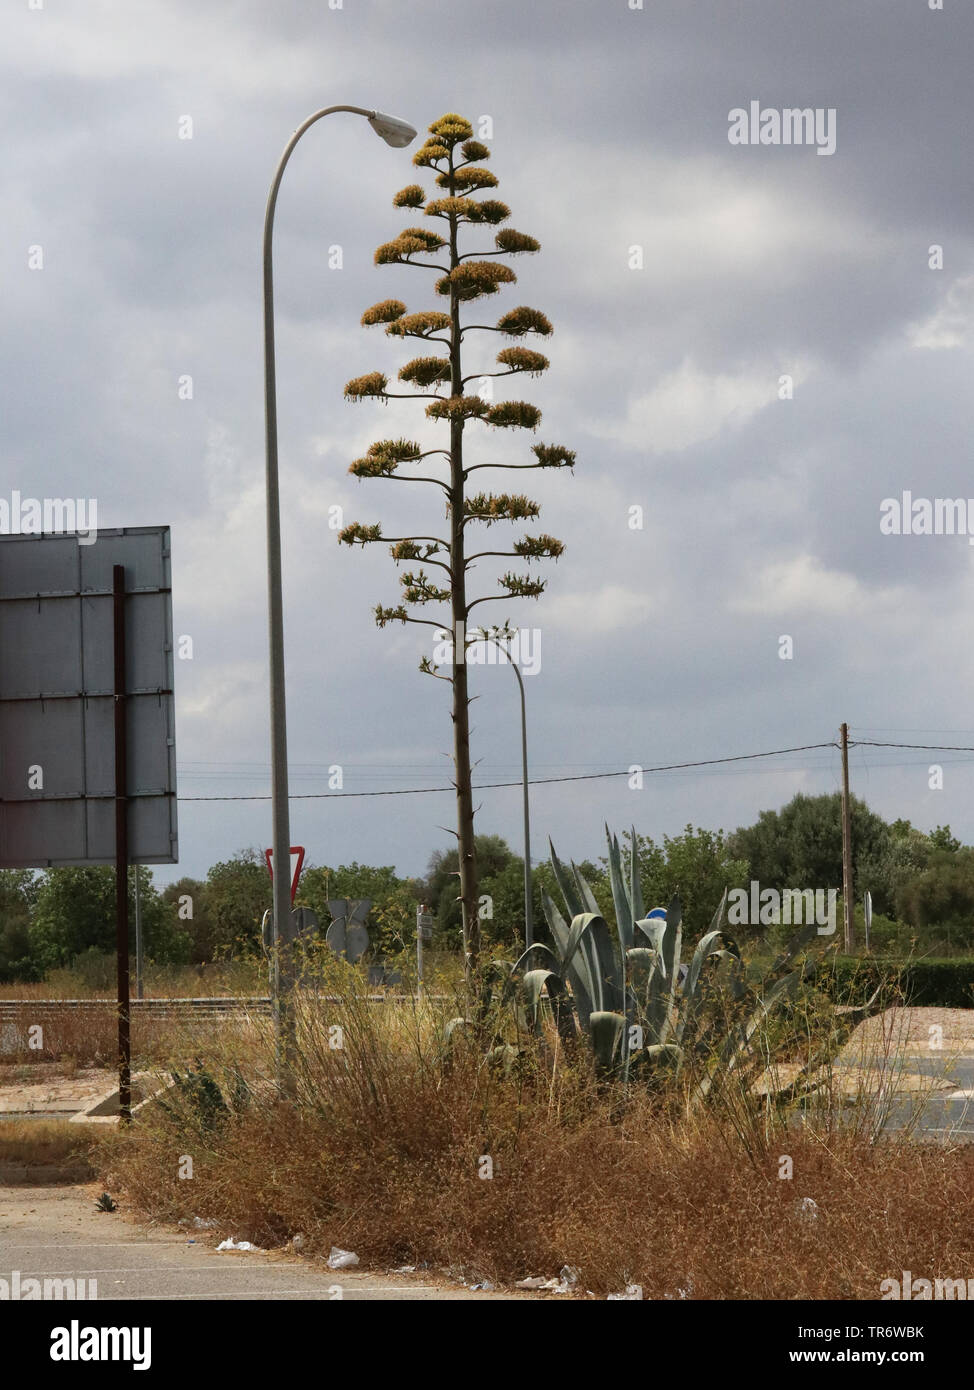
(533, 781)
(931, 747)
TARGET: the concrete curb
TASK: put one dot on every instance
(33, 1174)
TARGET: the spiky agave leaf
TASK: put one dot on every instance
(620, 893)
(608, 1032)
(577, 970)
(738, 1039)
(652, 928)
(585, 891)
(604, 962)
(641, 964)
(568, 888)
(662, 988)
(672, 947)
(533, 957)
(537, 983)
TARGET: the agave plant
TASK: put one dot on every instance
(642, 1008)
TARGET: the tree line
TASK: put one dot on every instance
(922, 887)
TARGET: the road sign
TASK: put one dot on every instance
(297, 862)
(58, 698)
(348, 935)
(424, 933)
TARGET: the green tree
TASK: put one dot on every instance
(463, 278)
(188, 899)
(800, 846)
(18, 894)
(891, 864)
(941, 897)
(441, 892)
(75, 913)
(238, 893)
(942, 839)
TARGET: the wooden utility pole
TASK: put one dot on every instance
(849, 937)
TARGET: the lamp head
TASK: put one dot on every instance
(393, 131)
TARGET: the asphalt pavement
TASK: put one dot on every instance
(55, 1233)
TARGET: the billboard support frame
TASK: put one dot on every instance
(121, 851)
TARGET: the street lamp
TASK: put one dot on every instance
(528, 909)
(398, 134)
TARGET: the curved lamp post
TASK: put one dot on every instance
(398, 134)
(528, 906)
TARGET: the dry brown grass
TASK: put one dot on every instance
(45, 1143)
(380, 1150)
(245, 977)
(71, 1038)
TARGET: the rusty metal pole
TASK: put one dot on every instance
(122, 850)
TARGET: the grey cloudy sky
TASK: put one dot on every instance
(761, 516)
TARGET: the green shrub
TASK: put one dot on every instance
(927, 983)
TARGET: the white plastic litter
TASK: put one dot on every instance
(297, 1242)
(633, 1294)
(808, 1209)
(569, 1275)
(341, 1259)
(231, 1244)
(405, 1269)
(535, 1282)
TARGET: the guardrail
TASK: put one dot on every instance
(223, 1006)
(220, 1006)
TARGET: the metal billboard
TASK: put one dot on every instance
(57, 698)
